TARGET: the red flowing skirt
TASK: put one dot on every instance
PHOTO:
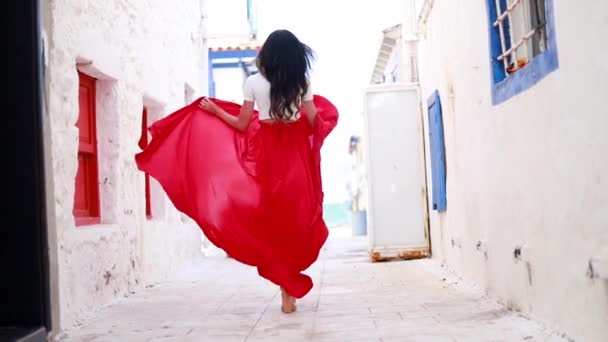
(257, 195)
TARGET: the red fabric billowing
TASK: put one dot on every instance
(257, 195)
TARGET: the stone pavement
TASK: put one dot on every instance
(353, 300)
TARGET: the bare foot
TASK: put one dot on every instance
(288, 304)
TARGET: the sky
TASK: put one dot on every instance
(346, 37)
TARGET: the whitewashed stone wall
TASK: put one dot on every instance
(148, 53)
(529, 175)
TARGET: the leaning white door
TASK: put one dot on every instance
(397, 213)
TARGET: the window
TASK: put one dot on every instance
(143, 143)
(86, 194)
(438, 169)
(522, 45)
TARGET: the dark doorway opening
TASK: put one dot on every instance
(24, 286)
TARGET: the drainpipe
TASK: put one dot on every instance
(409, 29)
(409, 37)
(424, 15)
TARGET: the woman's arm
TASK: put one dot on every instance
(239, 123)
(311, 111)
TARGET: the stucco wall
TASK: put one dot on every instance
(142, 53)
(531, 173)
(229, 84)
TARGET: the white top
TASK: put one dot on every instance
(257, 89)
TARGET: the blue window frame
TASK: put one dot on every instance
(438, 168)
(542, 58)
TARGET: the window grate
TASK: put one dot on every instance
(513, 50)
(511, 55)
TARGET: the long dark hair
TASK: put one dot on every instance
(285, 61)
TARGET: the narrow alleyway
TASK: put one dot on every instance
(354, 300)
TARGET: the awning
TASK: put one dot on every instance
(391, 37)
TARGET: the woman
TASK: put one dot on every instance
(251, 180)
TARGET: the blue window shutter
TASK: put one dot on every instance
(438, 169)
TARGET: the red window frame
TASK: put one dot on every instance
(86, 193)
(143, 144)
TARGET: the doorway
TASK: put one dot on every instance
(24, 287)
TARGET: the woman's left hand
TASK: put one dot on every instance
(209, 105)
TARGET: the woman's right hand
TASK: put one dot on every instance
(209, 106)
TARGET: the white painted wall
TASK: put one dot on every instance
(530, 173)
(229, 84)
(144, 53)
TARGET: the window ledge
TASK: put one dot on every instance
(525, 78)
(155, 222)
